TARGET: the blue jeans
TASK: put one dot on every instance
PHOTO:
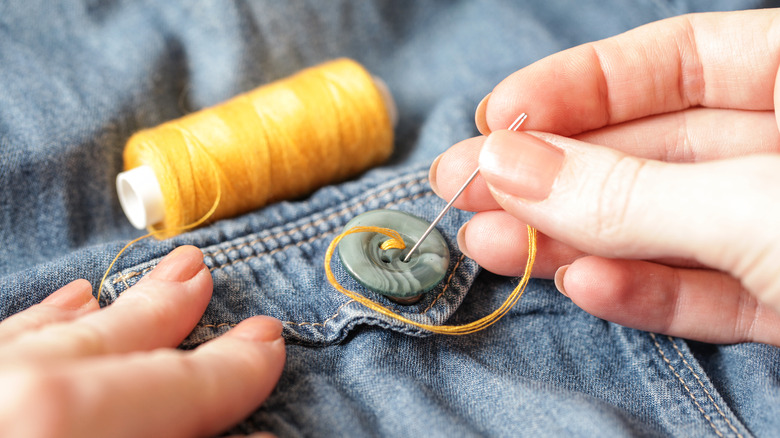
(78, 77)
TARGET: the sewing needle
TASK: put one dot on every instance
(513, 127)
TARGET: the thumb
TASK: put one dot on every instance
(723, 214)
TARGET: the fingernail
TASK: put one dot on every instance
(432, 175)
(461, 238)
(72, 296)
(181, 264)
(259, 328)
(520, 164)
(480, 116)
(559, 274)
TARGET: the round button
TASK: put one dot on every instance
(383, 271)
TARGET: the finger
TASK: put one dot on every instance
(702, 305)
(453, 168)
(717, 60)
(697, 134)
(65, 304)
(159, 311)
(722, 214)
(168, 393)
(693, 135)
(499, 243)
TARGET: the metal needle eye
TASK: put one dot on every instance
(513, 127)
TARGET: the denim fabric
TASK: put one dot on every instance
(78, 77)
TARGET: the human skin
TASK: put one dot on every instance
(650, 166)
(651, 169)
(71, 369)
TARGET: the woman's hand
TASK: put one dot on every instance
(652, 170)
(68, 368)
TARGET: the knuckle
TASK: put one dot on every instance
(615, 202)
(83, 340)
(759, 276)
(683, 149)
(748, 313)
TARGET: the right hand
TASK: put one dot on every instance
(653, 174)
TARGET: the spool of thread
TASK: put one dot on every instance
(280, 141)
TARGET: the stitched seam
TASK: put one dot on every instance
(696, 376)
(446, 286)
(310, 239)
(123, 277)
(124, 280)
(323, 323)
(220, 325)
(314, 324)
(335, 314)
(321, 220)
(687, 389)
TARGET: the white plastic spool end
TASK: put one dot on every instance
(141, 197)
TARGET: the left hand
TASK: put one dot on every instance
(70, 369)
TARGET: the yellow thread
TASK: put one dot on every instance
(279, 141)
(155, 233)
(393, 243)
(464, 329)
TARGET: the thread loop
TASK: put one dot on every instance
(464, 329)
